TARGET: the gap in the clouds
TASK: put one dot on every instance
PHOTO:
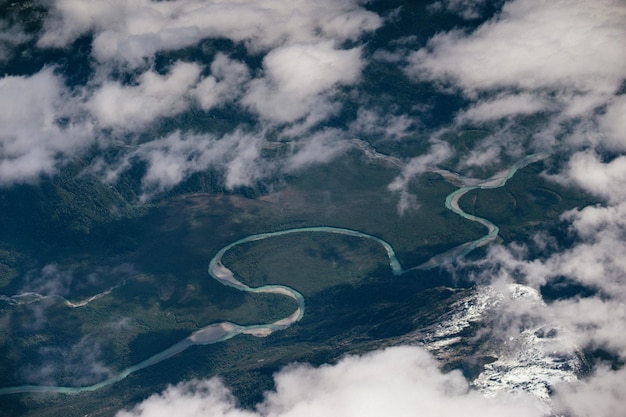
(28, 14)
(594, 357)
(563, 288)
(217, 122)
(205, 51)
(418, 20)
(384, 85)
(73, 63)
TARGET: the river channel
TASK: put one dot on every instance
(219, 332)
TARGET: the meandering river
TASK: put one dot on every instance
(218, 332)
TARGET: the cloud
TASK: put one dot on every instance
(41, 126)
(133, 107)
(564, 60)
(51, 280)
(401, 381)
(503, 106)
(439, 152)
(79, 364)
(298, 81)
(605, 180)
(305, 61)
(573, 51)
(10, 37)
(467, 9)
(600, 395)
(320, 148)
(595, 260)
(613, 124)
(226, 83)
(132, 32)
(532, 44)
(174, 158)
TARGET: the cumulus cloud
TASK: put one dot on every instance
(41, 126)
(604, 179)
(563, 56)
(613, 124)
(297, 79)
(132, 31)
(595, 261)
(226, 83)
(569, 48)
(532, 44)
(601, 395)
(173, 158)
(467, 9)
(132, 107)
(304, 61)
(402, 381)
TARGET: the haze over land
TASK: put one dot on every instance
(138, 138)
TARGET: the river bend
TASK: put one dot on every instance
(218, 332)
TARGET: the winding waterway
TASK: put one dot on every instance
(218, 332)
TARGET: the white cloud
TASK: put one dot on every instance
(302, 67)
(401, 381)
(594, 322)
(76, 361)
(390, 126)
(601, 179)
(172, 159)
(439, 152)
(532, 44)
(299, 79)
(132, 107)
(227, 82)
(318, 149)
(244, 164)
(486, 155)
(613, 124)
(467, 9)
(41, 126)
(503, 106)
(596, 260)
(10, 37)
(132, 31)
(603, 394)
(564, 58)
